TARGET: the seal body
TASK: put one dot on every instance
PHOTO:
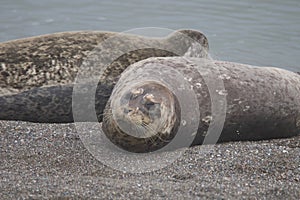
(37, 74)
(259, 102)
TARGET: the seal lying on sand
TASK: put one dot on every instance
(262, 103)
(37, 74)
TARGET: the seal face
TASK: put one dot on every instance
(147, 118)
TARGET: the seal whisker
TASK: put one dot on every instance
(137, 129)
(107, 117)
(153, 133)
(141, 125)
(158, 135)
(141, 130)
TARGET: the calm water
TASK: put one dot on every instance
(259, 32)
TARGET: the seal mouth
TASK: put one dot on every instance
(147, 118)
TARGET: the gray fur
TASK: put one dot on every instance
(262, 102)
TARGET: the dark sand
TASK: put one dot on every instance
(49, 161)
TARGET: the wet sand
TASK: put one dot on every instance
(49, 161)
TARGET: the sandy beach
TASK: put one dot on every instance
(49, 161)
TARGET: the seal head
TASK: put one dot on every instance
(145, 118)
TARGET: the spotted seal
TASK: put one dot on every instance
(37, 73)
(262, 103)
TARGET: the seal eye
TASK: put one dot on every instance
(149, 104)
(136, 92)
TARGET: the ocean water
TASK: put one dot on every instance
(258, 32)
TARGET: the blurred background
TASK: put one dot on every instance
(258, 32)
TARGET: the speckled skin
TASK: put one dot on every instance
(45, 60)
(262, 102)
(37, 73)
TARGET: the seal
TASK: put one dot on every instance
(262, 103)
(37, 74)
(149, 112)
